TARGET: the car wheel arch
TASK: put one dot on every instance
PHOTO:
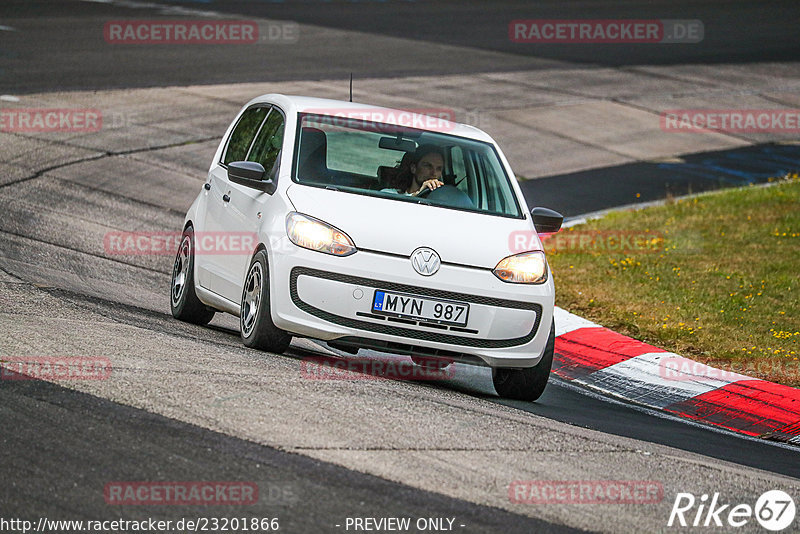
(259, 247)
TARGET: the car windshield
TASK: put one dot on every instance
(363, 157)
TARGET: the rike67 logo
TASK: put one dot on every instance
(774, 510)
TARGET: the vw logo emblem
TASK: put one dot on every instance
(425, 261)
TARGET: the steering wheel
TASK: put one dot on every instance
(424, 193)
(448, 195)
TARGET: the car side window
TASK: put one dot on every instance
(268, 143)
(243, 134)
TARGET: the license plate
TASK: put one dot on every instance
(420, 308)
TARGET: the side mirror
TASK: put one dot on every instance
(546, 221)
(250, 174)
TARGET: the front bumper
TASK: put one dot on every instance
(329, 298)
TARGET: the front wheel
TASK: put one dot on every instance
(183, 300)
(526, 384)
(255, 320)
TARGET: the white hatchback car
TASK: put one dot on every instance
(375, 228)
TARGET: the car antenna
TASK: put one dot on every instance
(351, 87)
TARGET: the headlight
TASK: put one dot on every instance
(526, 268)
(312, 234)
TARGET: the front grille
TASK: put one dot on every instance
(385, 328)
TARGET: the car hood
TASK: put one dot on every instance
(397, 227)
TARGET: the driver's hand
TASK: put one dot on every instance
(429, 184)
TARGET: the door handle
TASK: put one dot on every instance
(226, 198)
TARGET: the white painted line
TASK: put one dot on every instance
(659, 379)
(161, 8)
(9, 98)
(567, 322)
(636, 206)
(7, 28)
(574, 222)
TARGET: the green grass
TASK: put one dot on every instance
(718, 280)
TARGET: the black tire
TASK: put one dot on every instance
(255, 321)
(526, 384)
(183, 300)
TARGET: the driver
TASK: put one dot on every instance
(418, 171)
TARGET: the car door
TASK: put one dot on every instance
(247, 205)
(214, 270)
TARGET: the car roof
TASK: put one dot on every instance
(393, 116)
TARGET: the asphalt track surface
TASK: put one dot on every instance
(66, 444)
(57, 44)
(109, 441)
